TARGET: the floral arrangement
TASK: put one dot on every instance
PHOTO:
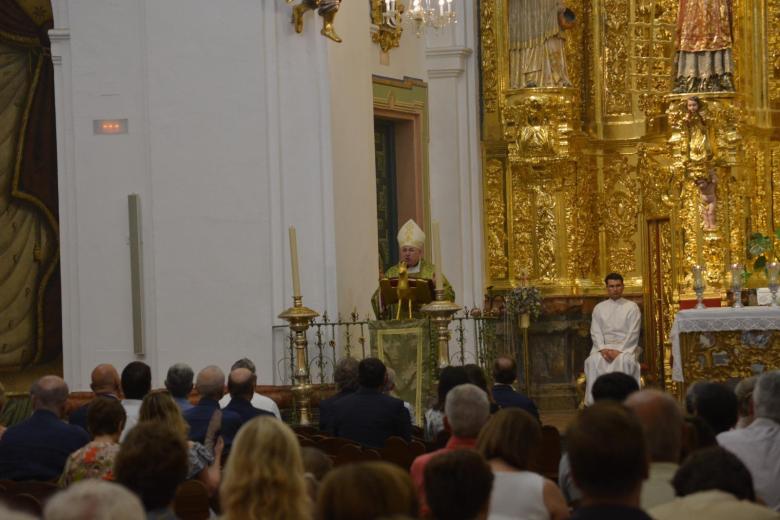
(522, 300)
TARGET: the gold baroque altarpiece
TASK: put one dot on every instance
(601, 173)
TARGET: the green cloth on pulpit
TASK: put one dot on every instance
(405, 346)
(426, 271)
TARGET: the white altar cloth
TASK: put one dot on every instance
(716, 319)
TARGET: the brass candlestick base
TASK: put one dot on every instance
(299, 318)
(440, 312)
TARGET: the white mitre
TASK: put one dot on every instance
(410, 234)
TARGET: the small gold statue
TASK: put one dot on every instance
(405, 293)
(325, 8)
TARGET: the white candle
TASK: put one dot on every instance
(296, 278)
(437, 255)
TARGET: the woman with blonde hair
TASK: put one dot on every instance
(366, 490)
(203, 464)
(264, 476)
(507, 442)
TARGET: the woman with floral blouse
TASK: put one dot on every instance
(105, 421)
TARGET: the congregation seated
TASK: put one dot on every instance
(466, 411)
(178, 382)
(508, 442)
(449, 378)
(105, 421)
(621, 459)
(258, 401)
(758, 445)
(104, 382)
(136, 383)
(151, 463)
(203, 464)
(458, 485)
(37, 448)
(504, 374)
(714, 484)
(366, 490)
(367, 416)
(264, 475)
(662, 424)
(93, 499)
(345, 375)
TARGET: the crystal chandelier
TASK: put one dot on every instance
(431, 13)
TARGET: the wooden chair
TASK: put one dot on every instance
(351, 453)
(191, 501)
(305, 441)
(398, 451)
(308, 431)
(331, 445)
(548, 456)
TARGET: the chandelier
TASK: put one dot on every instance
(431, 13)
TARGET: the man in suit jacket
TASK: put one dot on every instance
(210, 383)
(368, 416)
(36, 449)
(346, 378)
(504, 374)
(241, 385)
(105, 383)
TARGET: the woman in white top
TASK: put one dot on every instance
(507, 442)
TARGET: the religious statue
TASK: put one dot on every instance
(537, 54)
(325, 8)
(699, 150)
(704, 41)
(411, 240)
(708, 201)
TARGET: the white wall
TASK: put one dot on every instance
(228, 144)
(238, 128)
(455, 172)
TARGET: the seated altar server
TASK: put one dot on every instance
(411, 240)
(614, 329)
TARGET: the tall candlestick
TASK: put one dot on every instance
(296, 277)
(437, 255)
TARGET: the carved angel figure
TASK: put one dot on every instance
(325, 8)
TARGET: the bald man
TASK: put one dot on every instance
(504, 374)
(662, 425)
(210, 383)
(105, 383)
(36, 449)
(241, 385)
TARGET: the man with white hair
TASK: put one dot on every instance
(93, 499)
(466, 410)
(758, 445)
(411, 241)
